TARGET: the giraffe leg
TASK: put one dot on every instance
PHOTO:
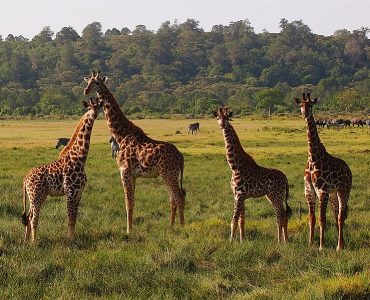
(177, 196)
(181, 206)
(343, 196)
(323, 198)
(285, 226)
(310, 199)
(128, 181)
(33, 224)
(241, 223)
(334, 204)
(73, 202)
(281, 219)
(34, 218)
(173, 208)
(28, 226)
(285, 231)
(238, 207)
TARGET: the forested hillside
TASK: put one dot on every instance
(182, 69)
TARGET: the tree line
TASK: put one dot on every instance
(182, 69)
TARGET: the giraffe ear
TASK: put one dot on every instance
(86, 79)
(214, 114)
(85, 104)
(297, 101)
(230, 114)
(105, 78)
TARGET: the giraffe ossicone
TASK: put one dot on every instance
(249, 180)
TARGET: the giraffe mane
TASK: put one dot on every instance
(137, 128)
(73, 138)
(237, 143)
(120, 113)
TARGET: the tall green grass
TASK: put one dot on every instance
(194, 262)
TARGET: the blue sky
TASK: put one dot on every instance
(28, 17)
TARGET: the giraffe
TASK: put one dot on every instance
(251, 180)
(326, 176)
(139, 155)
(65, 176)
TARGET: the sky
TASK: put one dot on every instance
(28, 17)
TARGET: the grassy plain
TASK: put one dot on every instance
(194, 262)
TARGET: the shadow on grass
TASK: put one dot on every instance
(90, 240)
(10, 210)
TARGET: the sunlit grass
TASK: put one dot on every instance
(196, 261)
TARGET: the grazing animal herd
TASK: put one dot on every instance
(340, 123)
(137, 155)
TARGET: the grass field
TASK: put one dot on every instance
(195, 261)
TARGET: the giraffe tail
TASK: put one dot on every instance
(181, 177)
(288, 210)
(24, 214)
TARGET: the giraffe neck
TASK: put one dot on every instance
(235, 153)
(315, 148)
(78, 146)
(120, 127)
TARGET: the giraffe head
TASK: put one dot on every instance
(93, 107)
(223, 116)
(94, 82)
(306, 104)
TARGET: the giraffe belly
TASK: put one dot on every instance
(150, 175)
(146, 172)
(55, 184)
(56, 191)
(249, 186)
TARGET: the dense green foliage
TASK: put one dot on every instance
(196, 261)
(181, 68)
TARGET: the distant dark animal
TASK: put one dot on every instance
(114, 146)
(194, 127)
(321, 123)
(333, 123)
(357, 122)
(344, 122)
(61, 142)
(178, 132)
